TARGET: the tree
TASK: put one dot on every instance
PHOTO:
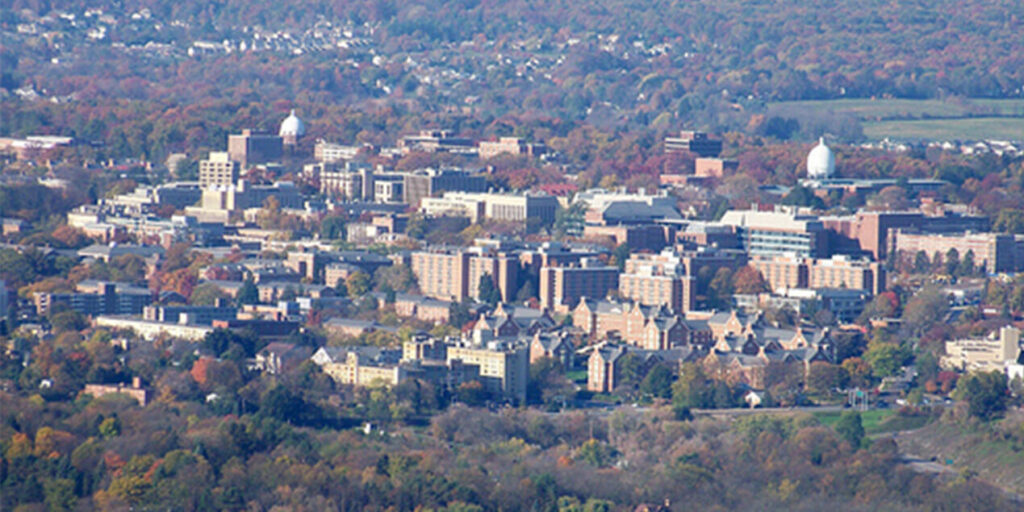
(332, 227)
(720, 289)
(951, 261)
(850, 428)
(248, 293)
(985, 394)
(619, 256)
(921, 262)
(206, 294)
(885, 359)
(967, 265)
(487, 292)
(357, 284)
(526, 292)
(823, 377)
(749, 280)
(692, 389)
(658, 382)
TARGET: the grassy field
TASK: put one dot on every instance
(900, 119)
(893, 109)
(974, 128)
(869, 419)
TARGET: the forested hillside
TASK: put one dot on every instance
(150, 78)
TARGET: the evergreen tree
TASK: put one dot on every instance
(850, 428)
(248, 293)
(487, 292)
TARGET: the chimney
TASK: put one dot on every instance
(137, 382)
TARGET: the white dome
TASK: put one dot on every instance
(821, 162)
(292, 126)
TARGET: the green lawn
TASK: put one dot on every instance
(974, 128)
(577, 376)
(869, 419)
(889, 109)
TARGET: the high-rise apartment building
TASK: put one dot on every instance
(217, 169)
(561, 288)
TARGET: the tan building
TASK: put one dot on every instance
(788, 272)
(985, 354)
(510, 145)
(217, 169)
(714, 167)
(561, 288)
(454, 274)
(528, 207)
(136, 391)
(781, 272)
(503, 371)
(359, 371)
(658, 280)
(842, 272)
(994, 252)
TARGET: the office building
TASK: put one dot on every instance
(510, 145)
(432, 182)
(109, 299)
(781, 231)
(528, 208)
(249, 148)
(695, 142)
(435, 141)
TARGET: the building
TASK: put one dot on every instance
(504, 369)
(435, 141)
(985, 354)
(151, 330)
(292, 129)
(778, 232)
(510, 145)
(994, 252)
(250, 148)
(869, 232)
(781, 272)
(840, 271)
(454, 274)
(361, 367)
(191, 315)
(110, 299)
(658, 280)
(349, 181)
(135, 390)
(694, 142)
(562, 287)
(620, 207)
(218, 169)
(651, 237)
(846, 305)
(649, 327)
(844, 272)
(528, 208)
(279, 357)
(220, 201)
(432, 182)
(601, 367)
(714, 167)
(329, 152)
